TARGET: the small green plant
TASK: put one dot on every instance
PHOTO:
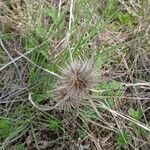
(110, 10)
(5, 128)
(126, 19)
(89, 113)
(109, 91)
(20, 147)
(136, 114)
(82, 134)
(57, 20)
(54, 124)
(122, 138)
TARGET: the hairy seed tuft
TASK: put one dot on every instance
(75, 83)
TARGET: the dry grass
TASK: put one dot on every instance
(110, 98)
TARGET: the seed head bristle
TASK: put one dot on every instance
(77, 78)
(75, 83)
(64, 101)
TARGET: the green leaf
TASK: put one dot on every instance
(54, 124)
(89, 113)
(20, 147)
(31, 42)
(109, 86)
(82, 134)
(57, 21)
(101, 60)
(122, 139)
(126, 19)
(136, 114)
(5, 128)
(110, 90)
(13, 135)
(40, 32)
(110, 10)
(8, 36)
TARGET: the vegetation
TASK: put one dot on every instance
(74, 75)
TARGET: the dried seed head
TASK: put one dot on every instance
(77, 78)
(64, 101)
(75, 83)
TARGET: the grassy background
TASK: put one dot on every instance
(39, 37)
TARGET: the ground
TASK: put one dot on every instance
(74, 75)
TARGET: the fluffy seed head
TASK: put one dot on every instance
(75, 83)
(64, 101)
(77, 78)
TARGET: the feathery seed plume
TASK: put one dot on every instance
(75, 83)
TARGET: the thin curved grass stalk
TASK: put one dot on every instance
(42, 108)
(46, 70)
(106, 125)
(21, 56)
(11, 58)
(140, 124)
